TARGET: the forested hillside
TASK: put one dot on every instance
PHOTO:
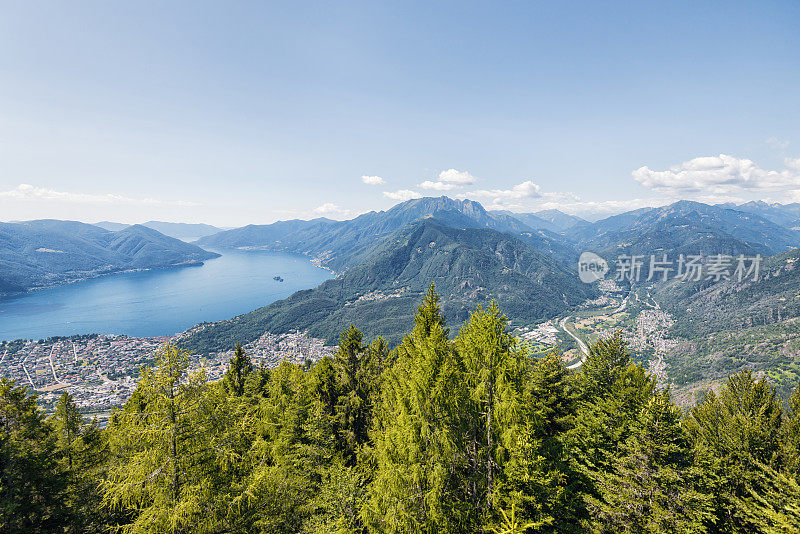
(340, 245)
(749, 228)
(48, 252)
(731, 324)
(469, 266)
(787, 215)
(444, 434)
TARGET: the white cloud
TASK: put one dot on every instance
(402, 194)
(449, 180)
(438, 186)
(329, 209)
(603, 208)
(793, 164)
(524, 190)
(373, 180)
(719, 175)
(456, 177)
(27, 192)
(776, 143)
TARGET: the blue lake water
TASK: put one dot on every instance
(164, 302)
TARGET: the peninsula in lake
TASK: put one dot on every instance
(48, 252)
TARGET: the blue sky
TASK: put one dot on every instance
(234, 112)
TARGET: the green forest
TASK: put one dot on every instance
(441, 434)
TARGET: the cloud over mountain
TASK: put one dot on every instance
(29, 192)
(720, 175)
(401, 194)
(449, 180)
(373, 180)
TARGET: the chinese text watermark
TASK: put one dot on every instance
(659, 267)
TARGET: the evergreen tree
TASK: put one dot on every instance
(238, 370)
(433, 436)
(353, 406)
(279, 461)
(418, 432)
(612, 391)
(791, 437)
(67, 422)
(83, 453)
(651, 487)
(737, 436)
(542, 488)
(494, 371)
(31, 480)
(166, 464)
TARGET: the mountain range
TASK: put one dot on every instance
(340, 245)
(385, 260)
(787, 215)
(526, 262)
(470, 266)
(182, 231)
(684, 227)
(49, 252)
(733, 324)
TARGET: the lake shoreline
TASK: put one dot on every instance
(161, 301)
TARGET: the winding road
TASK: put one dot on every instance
(584, 348)
(581, 344)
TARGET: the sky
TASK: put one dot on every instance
(233, 113)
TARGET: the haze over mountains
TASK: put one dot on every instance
(384, 260)
(787, 215)
(339, 245)
(549, 240)
(470, 266)
(683, 226)
(183, 231)
(43, 253)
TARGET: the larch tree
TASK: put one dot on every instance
(165, 453)
(419, 429)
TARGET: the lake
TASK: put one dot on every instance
(161, 302)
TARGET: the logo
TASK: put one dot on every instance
(591, 267)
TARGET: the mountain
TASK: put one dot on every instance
(339, 245)
(562, 221)
(672, 236)
(730, 325)
(528, 219)
(550, 220)
(469, 267)
(50, 252)
(111, 226)
(182, 231)
(685, 226)
(786, 215)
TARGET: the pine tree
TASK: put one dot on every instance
(612, 391)
(494, 371)
(281, 463)
(353, 406)
(67, 422)
(418, 432)
(166, 456)
(791, 436)
(238, 370)
(31, 480)
(651, 486)
(83, 453)
(738, 438)
(539, 481)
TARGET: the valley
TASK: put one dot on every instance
(689, 333)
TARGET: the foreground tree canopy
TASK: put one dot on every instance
(441, 434)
